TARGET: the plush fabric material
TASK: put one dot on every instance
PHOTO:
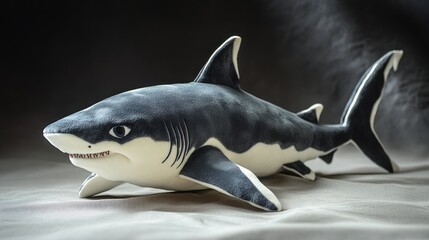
(351, 199)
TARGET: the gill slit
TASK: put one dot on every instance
(187, 142)
(175, 138)
(169, 140)
(178, 138)
(183, 139)
(179, 146)
(178, 135)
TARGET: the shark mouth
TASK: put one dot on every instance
(90, 155)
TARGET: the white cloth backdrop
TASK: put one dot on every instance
(351, 199)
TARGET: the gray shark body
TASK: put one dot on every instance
(211, 134)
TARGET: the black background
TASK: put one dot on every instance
(58, 57)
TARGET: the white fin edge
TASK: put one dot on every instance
(235, 49)
(393, 62)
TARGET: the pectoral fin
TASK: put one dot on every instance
(301, 170)
(95, 184)
(208, 166)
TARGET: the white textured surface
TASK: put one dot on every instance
(352, 199)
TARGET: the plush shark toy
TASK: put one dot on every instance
(211, 134)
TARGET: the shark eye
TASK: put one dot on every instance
(119, 131)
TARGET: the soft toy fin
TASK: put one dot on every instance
(360, 111)
(328, 157)
(95, 184)
(301, 170)
(209, 167)
(222, 68)
(312, 114)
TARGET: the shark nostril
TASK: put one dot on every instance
(89, 146)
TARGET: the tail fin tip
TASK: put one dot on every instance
(396, 56)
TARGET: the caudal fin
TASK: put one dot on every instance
(361, 109)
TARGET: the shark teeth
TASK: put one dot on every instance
(90, 155)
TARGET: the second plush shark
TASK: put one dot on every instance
(211, 134)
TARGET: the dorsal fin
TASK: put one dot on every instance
(222, 68)
(312, 114)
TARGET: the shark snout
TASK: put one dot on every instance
(64, 134)
(57, 134)
(75, 146)
(67, 143)
(51, 128)
(61, 126)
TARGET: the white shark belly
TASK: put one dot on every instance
(265, 159)
(261, 159)
(153, 170)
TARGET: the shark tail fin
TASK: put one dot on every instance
(361, 109)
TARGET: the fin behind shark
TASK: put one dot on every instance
(360, 111)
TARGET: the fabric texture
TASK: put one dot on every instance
(351, 199)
